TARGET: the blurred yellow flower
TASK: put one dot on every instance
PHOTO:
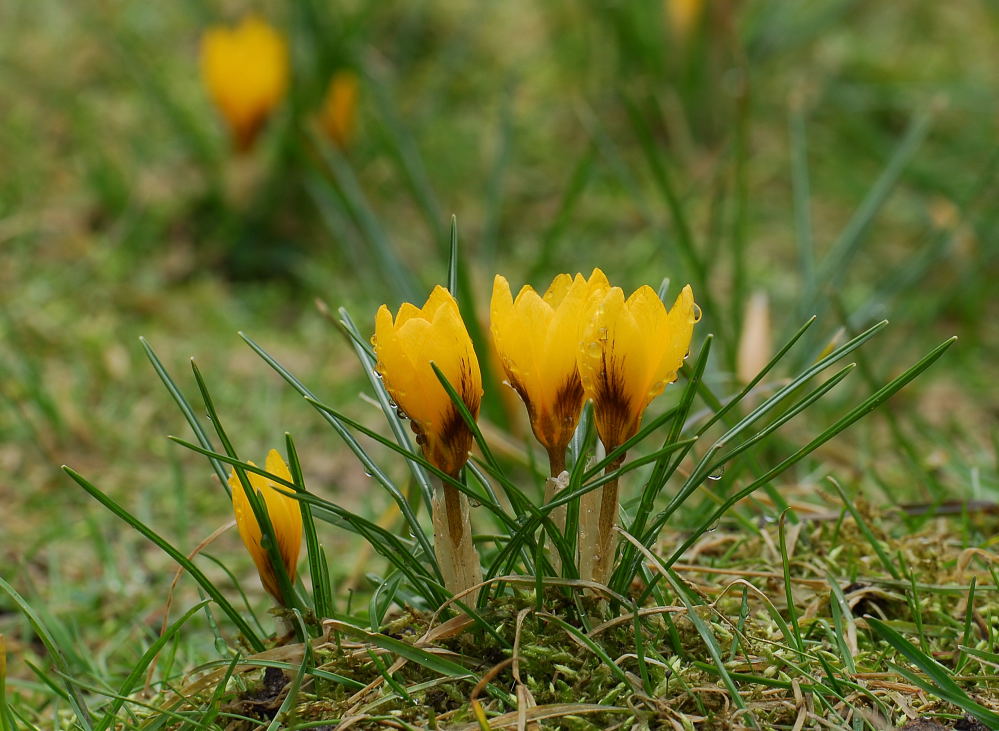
(630, 350)
(245, 70)
(537, 338)
(683, 17)
(285, 516)
(405, 348)
(338, 114)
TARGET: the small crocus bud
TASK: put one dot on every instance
(405, 348)
(630, 351)
(245, 70)
(338, 115)
(285, 516)
(537, 338)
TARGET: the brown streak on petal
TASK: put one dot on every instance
(614, 412)
(568, 401)
(456, 440)
(467, 389)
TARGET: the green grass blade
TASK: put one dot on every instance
(452, 261)
(322, 589)
(801, 190)
(419, 656)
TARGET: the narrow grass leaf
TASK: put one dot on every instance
(419, 656)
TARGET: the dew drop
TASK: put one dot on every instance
(401, 414)
(368, 473)
(717, 475)
(657, 388)
(474, 503)
(593, 348)
(378, 375)
(697, 312)
(602, 335)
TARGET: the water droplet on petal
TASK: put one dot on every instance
(657, 388)
(697, 312)
(593, 348)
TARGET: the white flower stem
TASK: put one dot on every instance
(456, 553)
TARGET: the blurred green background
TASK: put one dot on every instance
(838, 156)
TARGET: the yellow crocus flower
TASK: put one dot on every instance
(285, 516)
(338, 115)
(245, 70)
(405, 348)
(630, 351)
(537, 338)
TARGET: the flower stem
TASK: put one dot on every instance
(456, 554)
(558, 480)
(597, 516)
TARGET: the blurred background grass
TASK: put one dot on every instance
(559, 133)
